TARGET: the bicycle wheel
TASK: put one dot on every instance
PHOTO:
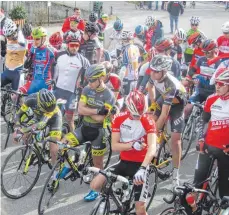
(49, 190)
(173, 211)
(102, 207)
(187, 136)
(153, 180)
(26, 163)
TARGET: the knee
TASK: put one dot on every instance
(140, 208)
(97, 182)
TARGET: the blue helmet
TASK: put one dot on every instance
(118, 25)
(140, 29)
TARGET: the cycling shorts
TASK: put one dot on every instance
(95, 135)
(11, 76)
(34, 86)
(176, 115)
(203, 165)
(196, 97)
(71, 104)
(129, 169)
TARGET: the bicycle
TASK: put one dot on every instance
(191, 128)
(192, 4)
(121, 195)
(26, 161)
(224, 206)
(9, 110)
(181, 206)
(76, 167)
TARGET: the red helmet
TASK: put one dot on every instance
(136, 103)
(164, 44)
(194, 38)
(209, 45)
(56, 39)
(71, 36)
(222, 75)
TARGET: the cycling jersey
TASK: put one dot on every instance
(116, 37)
(177, 50)
(114, 83)
(96, 99)
(29, 41)
(131, 56)
(52, 119)
(88, 49)
(189, 50)
(197, 53)
(218, 126)
(133, 130)
(66, 25)
(172, 91)
(68, 70)
(223, 45)
(102, 26)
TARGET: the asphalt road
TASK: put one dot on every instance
(71, 193)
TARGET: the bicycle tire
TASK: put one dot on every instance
(40, 210)
(189, 127)
(3, 188)
(106, 210)
(173, 211)
(153, 169)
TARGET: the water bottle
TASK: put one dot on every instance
(190, 199)
(65, 170)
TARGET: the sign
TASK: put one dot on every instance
(49, 3)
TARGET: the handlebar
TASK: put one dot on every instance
(108, 174)
(197, 104)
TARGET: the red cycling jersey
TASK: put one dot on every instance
(218, 127)
(223, 45)
(114, 83)
(196, 55)
(133, 130)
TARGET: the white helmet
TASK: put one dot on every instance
(127, 35)
(195, 20)
(180, 34)
(225, 27)
(9, 28)
(150, 21)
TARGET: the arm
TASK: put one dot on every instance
(163, 117)
(151, 91)
(84, 110)
(144, 82)
(151, 151)
(66, 25)
(116, 145)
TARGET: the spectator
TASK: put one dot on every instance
(74, 22)
(175, 8)
(156, 5)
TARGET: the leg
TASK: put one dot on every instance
(15, 78)
(171, 23)
(140, 208)
(176, 22)
(4, 78)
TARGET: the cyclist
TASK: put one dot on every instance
(140, 34)
(134, 136)
(73, 23)
(204, 72)
(40, 59)
(154, 33)
(223, 41)
(102, 24)
(56, 41)
(95, 103)
(27, 32)
(170, 97)
(90, 45)
(69, 72)
(216, 114)
(93, 17)
(15, 54)
(131, 56)
(178, 39)
(42, 108)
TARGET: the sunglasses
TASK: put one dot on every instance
(194, 25)
(92, 80)
(74, 45)
(220, 84)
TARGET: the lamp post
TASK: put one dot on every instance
(49, 5)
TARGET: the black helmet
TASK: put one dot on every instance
(27, 30)
(46, 100)
(91, 28)
(93, 17)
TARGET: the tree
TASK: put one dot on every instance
(18, 13)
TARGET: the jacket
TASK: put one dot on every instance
(175, 8)
(66, 25)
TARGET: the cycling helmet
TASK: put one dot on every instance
(9, 28)
(225, 27)
(56, 39)
(46, 101)
(95, 71)
(93, 17)
(108, 66)
(222, 75)
(150, 21)
(209, 45)
(104, 17)
(39, 32)
(71, 36)
(27, 30)
(140, 29)
(118, 25)
(127, 35)
(164, 44)
(195, 20)
(195, 38)
(91, 27)
(180, 34)
(136, 103)
(161, 63)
